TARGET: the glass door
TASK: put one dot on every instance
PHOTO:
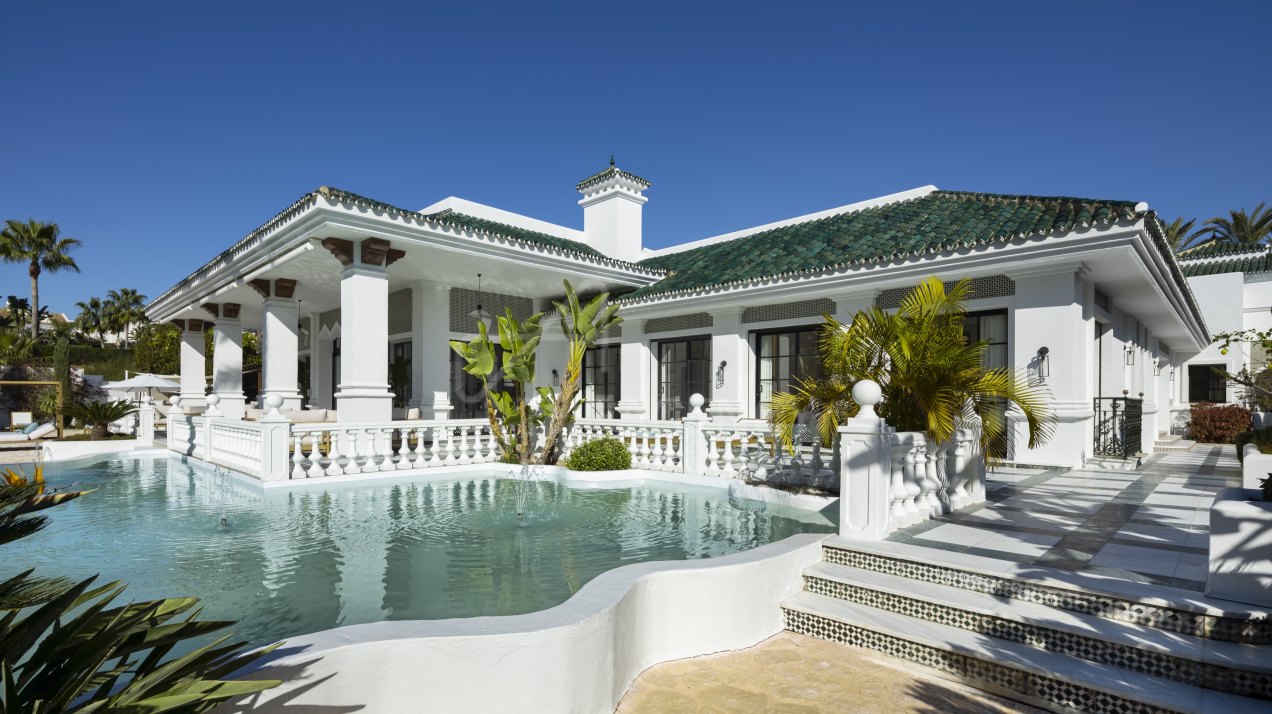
(684, 369)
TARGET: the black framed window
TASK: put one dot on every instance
(466, 396)
(782, 356)
(601, 382)
(1205, 385)
(684, 369)
(991, 326)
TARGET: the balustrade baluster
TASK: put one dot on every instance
(315, 455)
(366, 447)
(713, 467)
(418, 461)
(384, 447)
(931, 484)
(298, 458)
(897, 491)
(451, 456)
(912, 487)
(727, 442)
(404, 452)
(334, 467)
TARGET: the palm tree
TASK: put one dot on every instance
(933, 380)
(130, 308)
(1242, 228)
(19, 310)
(1181, 235)
(94, 317)
(38, 245)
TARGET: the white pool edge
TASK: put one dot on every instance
(580, 656)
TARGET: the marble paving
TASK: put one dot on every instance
(801, 675)
(1150, 525)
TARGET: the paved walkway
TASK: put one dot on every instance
(792, 674)
(1150, 525)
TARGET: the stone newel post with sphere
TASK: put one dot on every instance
(864, 468)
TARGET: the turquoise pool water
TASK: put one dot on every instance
(293, 561)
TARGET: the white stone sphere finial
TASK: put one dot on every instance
(175, 400)
(273, 402)
(696, 401)
(867, 394)
(213, 399)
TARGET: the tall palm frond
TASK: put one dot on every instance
(1243, 228)
(1181, 235)
(42, 248)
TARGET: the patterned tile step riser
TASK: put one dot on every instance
(1249, 684)
(1212, 627)
(1034, 688)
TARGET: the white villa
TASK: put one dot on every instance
(1085, 294)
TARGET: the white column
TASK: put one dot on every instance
(193, 366)
(865, 467)
(319, 362)
(364, 394)
(636, 363)
(430, 352)
(731, 358)
(280, 344)
(227, 364)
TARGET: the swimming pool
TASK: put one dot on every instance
(291, 561)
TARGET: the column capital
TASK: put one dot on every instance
(279, 287)
(377, 252)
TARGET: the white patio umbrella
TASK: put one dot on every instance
(143, 383)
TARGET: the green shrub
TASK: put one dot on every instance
(604, 454)
(100, 415)
(1217, 423)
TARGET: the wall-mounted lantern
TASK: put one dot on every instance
(1172, 374)
(556, 378)
(1044, 363)
(719, 383)
(1157, 366)
(1130, 354)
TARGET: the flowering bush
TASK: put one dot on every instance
(1217, 423)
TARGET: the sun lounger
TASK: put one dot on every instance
(34, 432)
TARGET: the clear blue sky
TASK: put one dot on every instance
(160, 133)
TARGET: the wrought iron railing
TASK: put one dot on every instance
(1118, 426)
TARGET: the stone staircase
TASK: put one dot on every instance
(1172, 444)
(1056, 639)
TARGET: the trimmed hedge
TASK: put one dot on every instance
(604, 454)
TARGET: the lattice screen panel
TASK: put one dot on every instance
(789, 310)
(464, 301)
(989, 286)
(679, 322)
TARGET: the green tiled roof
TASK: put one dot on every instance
(461, 220)
(939, 221)
(1215, 249)
(1258, 260)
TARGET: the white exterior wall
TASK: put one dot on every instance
(1222, 299)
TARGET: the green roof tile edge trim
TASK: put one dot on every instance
(310, 199)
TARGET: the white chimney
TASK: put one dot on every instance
(612, 204)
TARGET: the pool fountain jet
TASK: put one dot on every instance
(521, 490)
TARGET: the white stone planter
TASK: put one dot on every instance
(1255, 466)
(1241, 547)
